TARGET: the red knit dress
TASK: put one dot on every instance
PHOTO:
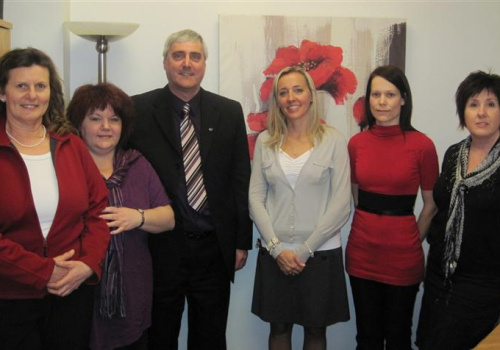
(385, 248)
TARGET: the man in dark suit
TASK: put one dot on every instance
(198, 259)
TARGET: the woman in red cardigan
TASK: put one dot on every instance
(52, 241)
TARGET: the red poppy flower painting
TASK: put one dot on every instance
(320, 61)
(338, 54)
(341, 82)
(257, 121)
(358, 110)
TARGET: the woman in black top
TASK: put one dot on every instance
(461, 302)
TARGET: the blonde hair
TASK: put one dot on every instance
(276, 120)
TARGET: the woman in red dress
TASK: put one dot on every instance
(390, 161)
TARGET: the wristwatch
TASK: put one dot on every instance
(143, 219)
(272, 244)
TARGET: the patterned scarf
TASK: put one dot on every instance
(456, 212)
(112, 291)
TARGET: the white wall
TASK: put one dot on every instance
(445, 41)
(38, 23)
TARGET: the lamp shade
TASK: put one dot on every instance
(101, 33)
(93, 30)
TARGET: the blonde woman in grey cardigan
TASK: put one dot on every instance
(299, 201)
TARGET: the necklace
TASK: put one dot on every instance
(25, 145)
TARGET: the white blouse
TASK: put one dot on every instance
(44, 188)
(293, 166)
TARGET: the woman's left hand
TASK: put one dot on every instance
(121, 219)
(77, 273)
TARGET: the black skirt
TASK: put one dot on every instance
(317, 297)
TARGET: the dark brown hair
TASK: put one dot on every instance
(397, 77)
(88, 98)
(472, 86)
(53, 118)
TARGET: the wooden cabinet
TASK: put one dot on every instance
(4, 36)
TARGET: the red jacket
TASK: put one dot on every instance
(26, 262)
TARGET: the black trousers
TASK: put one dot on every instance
(51, 323)
(194, 271)
(383, 314)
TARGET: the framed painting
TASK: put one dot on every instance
(338, 53)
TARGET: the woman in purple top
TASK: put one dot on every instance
(138, 204)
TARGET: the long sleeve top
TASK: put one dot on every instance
(479, 253)
(315, 210)
(384, 160)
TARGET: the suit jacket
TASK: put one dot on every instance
(225, 164)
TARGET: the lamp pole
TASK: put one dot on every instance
(102, 47)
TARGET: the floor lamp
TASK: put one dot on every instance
(101, 33)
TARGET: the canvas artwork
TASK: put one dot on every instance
(338, 53)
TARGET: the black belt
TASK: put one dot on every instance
(384, 204)
(197, 235)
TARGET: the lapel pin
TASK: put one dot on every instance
(210, 129)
